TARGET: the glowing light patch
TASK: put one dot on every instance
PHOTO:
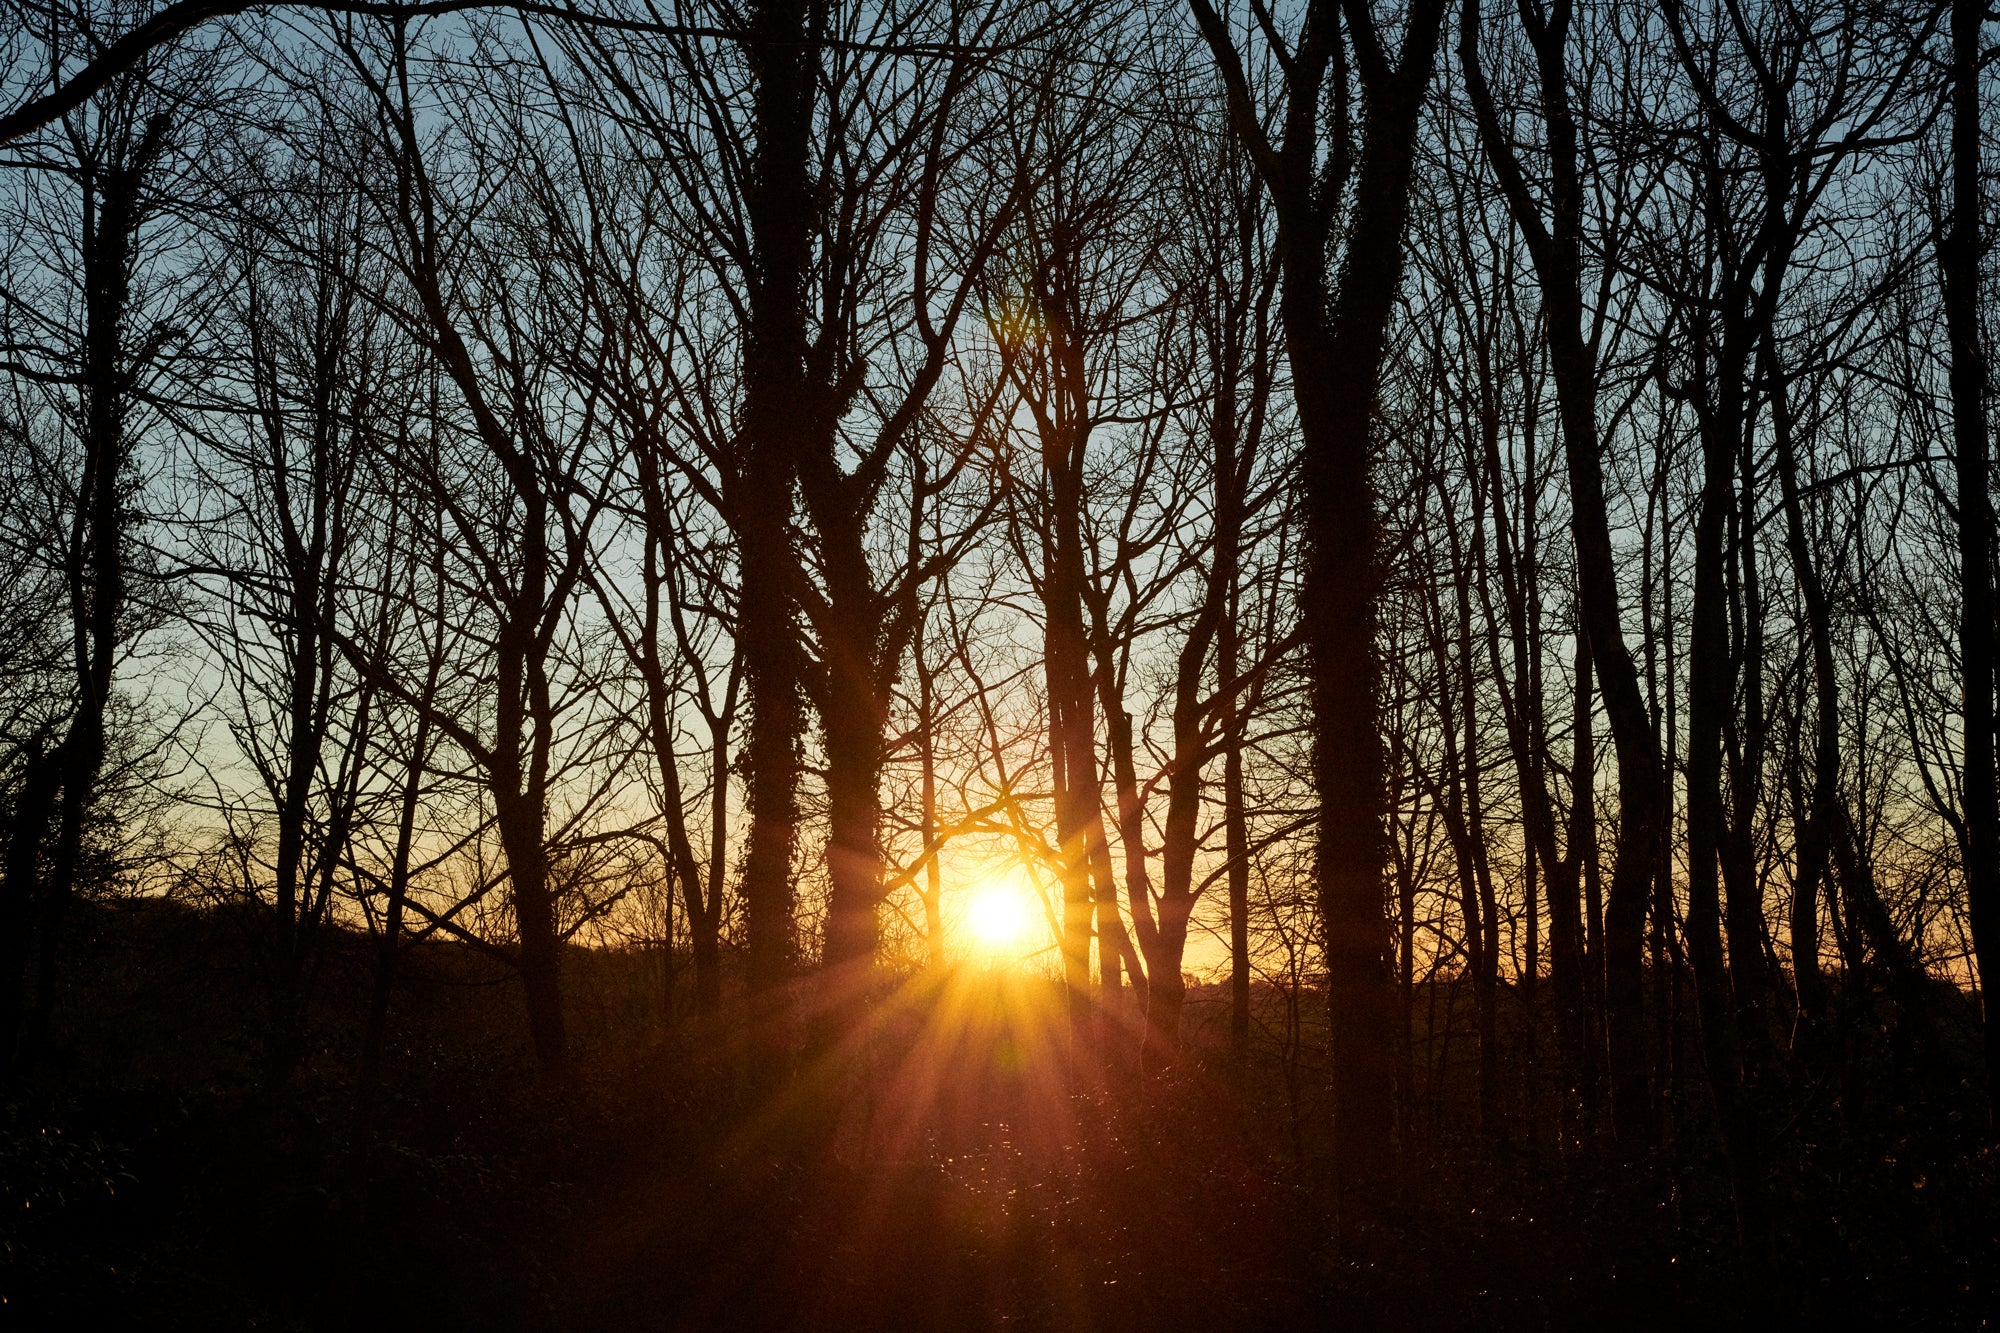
(999, 916)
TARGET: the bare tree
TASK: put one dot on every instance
(1335, 340)
(93, 339)
(283, 530)
(1960, 249)
(522, 492)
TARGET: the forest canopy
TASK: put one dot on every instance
(1421, 572)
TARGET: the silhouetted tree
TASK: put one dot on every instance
(1335, 338)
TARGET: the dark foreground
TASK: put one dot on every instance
(952, 1170)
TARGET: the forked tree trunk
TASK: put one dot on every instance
(1336, 341)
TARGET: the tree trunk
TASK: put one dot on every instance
(1557, 251)
(388, 948)
(776, 393)
(851, 724)
(703, 901)
(19, 909)
(933, 890)
(1962, 254)
(1342, 588)
(94, 558)
(1235, 817)
(705, 931)
(1814, 834)
(1710, 678)
(1073, 755)
(1567, 940)
(520, 824)
(1336, 349)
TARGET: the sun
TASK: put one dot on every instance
(999, 915)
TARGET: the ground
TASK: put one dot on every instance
(956, 1165)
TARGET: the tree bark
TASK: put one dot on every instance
(776, 395)
(1963, 245)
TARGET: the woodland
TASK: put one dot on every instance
(1074, 664)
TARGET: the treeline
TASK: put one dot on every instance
(1369, 503)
